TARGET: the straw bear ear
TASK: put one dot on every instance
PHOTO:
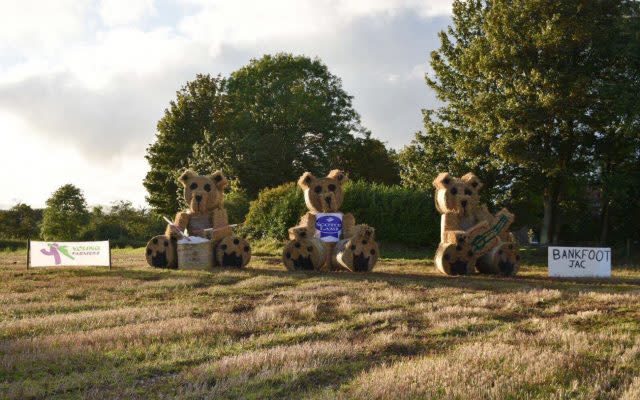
(473, 180)
(218, 179)
(443, 180)
(306, 180)
(338, 175)
(186, 176)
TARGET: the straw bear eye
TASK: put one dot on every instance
(332, 187)
(193, 186)
(207, 187)
(318, 189)
(454, 191)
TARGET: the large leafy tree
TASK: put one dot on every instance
(366, 158)
(288, 115)
(520, 81)
(66, 214)
(20, 222)
(197, 109)
(616, 117)
(266, 124)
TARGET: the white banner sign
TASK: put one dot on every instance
(579, 262)
(329, 226)
(53, 254)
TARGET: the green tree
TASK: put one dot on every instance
(123, 224)
(617, 120)
(66, 215)
(366, 158)
(20, 222)
(288, 115)
(197, 109)
(266, 124)
(520, 85)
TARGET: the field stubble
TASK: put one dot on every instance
(401, 332)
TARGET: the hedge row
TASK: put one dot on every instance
(12, 244)
(398, 214)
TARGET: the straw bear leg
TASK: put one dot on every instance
(356, 254)
(233, 251)
(161, 252)
(454, 259)
(303, 254)
(503, 259)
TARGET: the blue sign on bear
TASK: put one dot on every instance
(329, 226)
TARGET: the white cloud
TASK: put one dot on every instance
(82, 84)
(250, 21)
(40, 164)
(425, 8)
(121, 12)
(34, 25)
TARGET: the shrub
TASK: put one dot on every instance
(274, 211)
(237, 205)
(12, 244)
(399, 215)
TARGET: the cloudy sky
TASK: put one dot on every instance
(83, 83)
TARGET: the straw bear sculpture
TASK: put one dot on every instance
(470, 236)
(356, 250)
(206, 217)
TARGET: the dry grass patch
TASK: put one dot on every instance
(401, 332)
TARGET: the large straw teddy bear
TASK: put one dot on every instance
(206, 217)
(470, 236)
(322, 242)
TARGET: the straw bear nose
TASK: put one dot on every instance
(198, 198)
(464, 203)
(328, 199)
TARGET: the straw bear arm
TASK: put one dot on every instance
(308, 220)
(348, 225)
(220, 223)
(450, 227)
(181, 220)
(483, 214)
(219, 218)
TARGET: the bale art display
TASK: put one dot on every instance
(325, 238)
(207, 218)
(470, 236)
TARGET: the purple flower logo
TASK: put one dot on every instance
(54, 250)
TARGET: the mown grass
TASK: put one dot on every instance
(403, 331)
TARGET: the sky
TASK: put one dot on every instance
(83, 83)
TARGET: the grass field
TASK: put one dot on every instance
(401, 332)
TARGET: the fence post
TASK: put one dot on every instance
(28, 251)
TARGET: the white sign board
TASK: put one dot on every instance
(57, 254)
(579, 262)
(328, 226)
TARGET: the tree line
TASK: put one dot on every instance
(67, 217)
(264, 125)
(541, 99)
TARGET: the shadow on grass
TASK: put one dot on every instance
(494, 283)
(404, 273)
